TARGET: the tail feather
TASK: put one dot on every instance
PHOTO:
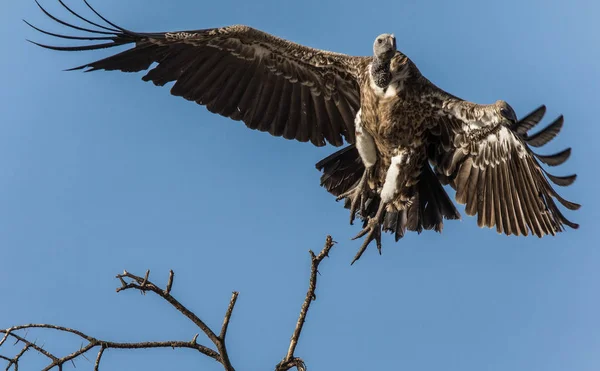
(431, 205)
(436, 204)
(341, 170)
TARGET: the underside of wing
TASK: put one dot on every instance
(270, 84)
(487, 157)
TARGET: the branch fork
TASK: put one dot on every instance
(143, 284)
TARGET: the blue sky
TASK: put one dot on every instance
(101, 172)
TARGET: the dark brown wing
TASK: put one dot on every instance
(485, 154)
(239, 72)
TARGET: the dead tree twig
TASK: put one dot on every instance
(144, 284)
(290, 360)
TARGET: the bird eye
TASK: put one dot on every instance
(379, 41)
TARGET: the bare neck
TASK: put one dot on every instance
(380, 72)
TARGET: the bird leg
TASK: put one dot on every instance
(394, 178)
(358, 195)
(365, 144)
(372, 230)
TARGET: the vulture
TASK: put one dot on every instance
(406, 138)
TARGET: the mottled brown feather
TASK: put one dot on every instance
(306, 94)
(203, 62)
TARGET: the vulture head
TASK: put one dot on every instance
(384, 46)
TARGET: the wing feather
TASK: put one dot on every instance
(269, 120)
(506, 187)
(336, 120)
(229, 97)
(481, 201)
(209, 95)
(529, 121)
(348, 113)
(322, 120)
(304, 128)
(462, 181)
(283, 107)
(499, 208)
(490, 214)
(250, 95)
(268, 82)
(473, 194)
(562, 181)
(530, 204)
(487, 159)
(279, 79)
(294, 115)
(242, 88)
(556, 158)
(546, 134)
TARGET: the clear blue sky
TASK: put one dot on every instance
(101, 172)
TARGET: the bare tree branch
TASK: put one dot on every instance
(98, 357)
(170, 282)
(290, 360)
(223, 347)
(138, 283)
(92, 343)
(144, 284)
(228, 314)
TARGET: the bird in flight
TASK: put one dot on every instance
(406, 137)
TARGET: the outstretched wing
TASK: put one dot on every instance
(485, 153)
(239, 72)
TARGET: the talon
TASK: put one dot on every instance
(372, 230)
(358, 196)
(345, 194)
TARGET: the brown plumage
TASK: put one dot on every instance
(242, 73)
(407, 137)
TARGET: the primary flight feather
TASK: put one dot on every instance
(406, 136)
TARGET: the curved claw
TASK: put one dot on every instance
(372, 232)
(358, 197)
(356, 200)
